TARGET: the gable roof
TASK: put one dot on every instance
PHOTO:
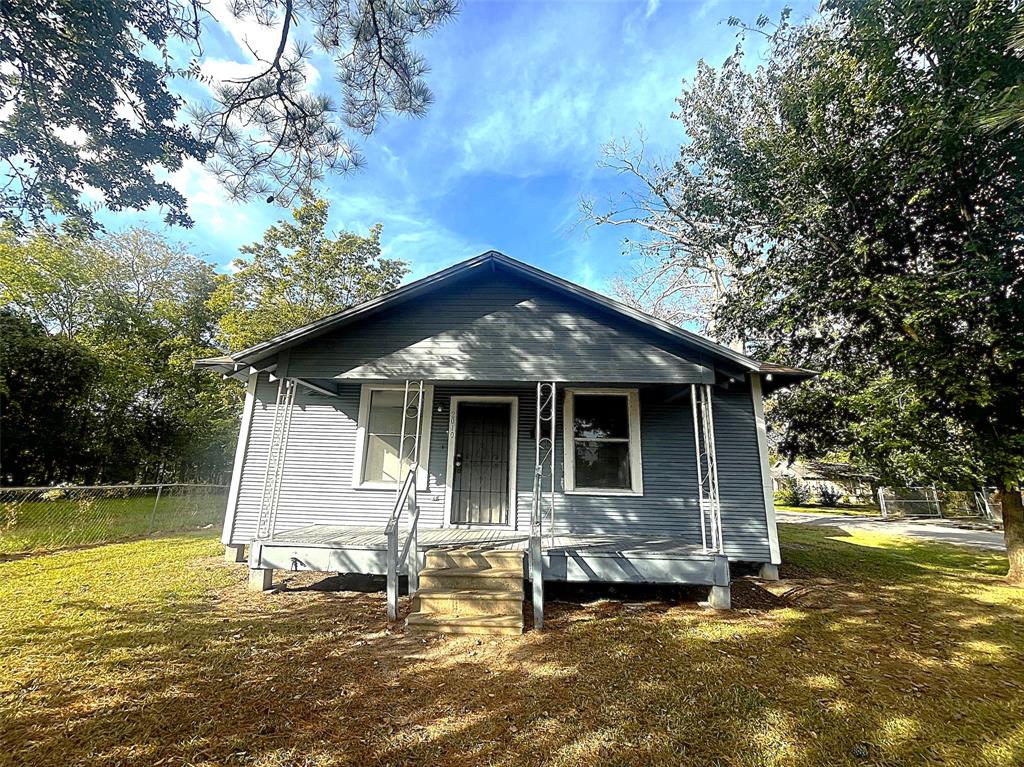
(490, 260)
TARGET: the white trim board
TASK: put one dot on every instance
(453, 425)
(422, 474)
(635, 451)
(240, 450)
(766, 475)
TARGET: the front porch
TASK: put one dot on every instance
(621, 558)
(601, 475)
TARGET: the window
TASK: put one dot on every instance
(378, 463)
(602, 442)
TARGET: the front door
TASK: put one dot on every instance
(480, 470)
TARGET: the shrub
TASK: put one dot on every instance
(793, 493)
(828, 496)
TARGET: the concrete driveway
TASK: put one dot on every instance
(984, 539)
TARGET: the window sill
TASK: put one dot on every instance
(606, 491)
(386, 486)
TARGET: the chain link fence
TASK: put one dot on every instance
(49, 518)
(900, 502)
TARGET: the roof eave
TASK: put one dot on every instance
(776, 377)
(306, 332)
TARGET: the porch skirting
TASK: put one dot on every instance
(611, 558)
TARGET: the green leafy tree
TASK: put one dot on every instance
(879, 234)
(46, 384)
(47, 276)
(1007, 112)
(139, 306)
(151, 319)
(97, 100)
(297, 274)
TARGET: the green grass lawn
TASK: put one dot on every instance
(77, 518)
(852, 511)
(876, 650)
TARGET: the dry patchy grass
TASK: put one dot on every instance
(874, 651)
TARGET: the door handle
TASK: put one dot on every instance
(458, 461)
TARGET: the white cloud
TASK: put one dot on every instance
(228, 69)
(409, 233)
(222, 225)
(535, 104)
(250, 36)
(218, 70)
(706, 7)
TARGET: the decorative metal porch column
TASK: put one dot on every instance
(276, 450)
(412, 417)
(409, 455)
(707, 468)
(544, 459)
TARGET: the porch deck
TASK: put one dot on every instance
(596, 557)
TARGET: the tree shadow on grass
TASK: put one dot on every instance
(314, 677)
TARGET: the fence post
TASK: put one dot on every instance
(935, 497)
(881, 501)
(152, 514)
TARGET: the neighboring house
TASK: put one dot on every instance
(843, 479)
(490, 423)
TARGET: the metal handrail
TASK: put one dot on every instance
(403, 494)
(410, 552)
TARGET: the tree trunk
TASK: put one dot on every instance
(1013, 530)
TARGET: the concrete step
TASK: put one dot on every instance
(467, 602)
(476, 624)
(493, 579)
(474, 557)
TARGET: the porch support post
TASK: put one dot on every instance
(544, 454)
(260, 580)
(412, 560)
(700, 468)
(768, 572)
(709, 436)
(537, 581)
(273, 474)
(720, 597)
(392, 574)
(707, 468)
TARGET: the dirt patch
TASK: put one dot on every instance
(750, 594)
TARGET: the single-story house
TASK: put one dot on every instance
(492, 425)
(844, 479)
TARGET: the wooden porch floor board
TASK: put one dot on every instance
(373, 538)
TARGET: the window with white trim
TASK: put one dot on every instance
(602, 442)
(378, 462)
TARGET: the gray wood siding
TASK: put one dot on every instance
(497, 328)
(317, 486)
(744, 517)
(669, 504)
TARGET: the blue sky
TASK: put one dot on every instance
(526, 93)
